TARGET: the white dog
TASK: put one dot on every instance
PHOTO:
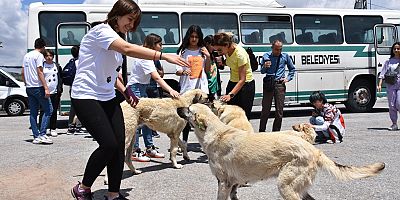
(237, 157)
(159, 115)
(236, 117)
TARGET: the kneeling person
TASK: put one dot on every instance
(327, 120)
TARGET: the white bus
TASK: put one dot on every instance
(337, 51)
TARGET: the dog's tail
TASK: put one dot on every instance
(343, 172)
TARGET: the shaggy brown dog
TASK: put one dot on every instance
(236, 117)
(231, 115)
(237, 157)
(159, 115)
(303, 130)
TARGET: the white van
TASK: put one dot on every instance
(13, 97)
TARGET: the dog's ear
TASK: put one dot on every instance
(199, 122)
(297, 127)
(220, 110)
(307, 126)
(198, 98)
(209, 104)
(183, 112)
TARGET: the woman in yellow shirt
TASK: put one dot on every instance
(241, 87)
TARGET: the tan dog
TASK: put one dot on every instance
(231, 115)
(236, 117)
(159, 115)
(237, 157)
(303, 130)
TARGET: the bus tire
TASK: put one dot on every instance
(361, 96)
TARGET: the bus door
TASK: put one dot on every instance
(68, 34)
(384, 36)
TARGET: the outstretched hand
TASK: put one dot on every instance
(225, 98)
(174, 94)
(175, 59)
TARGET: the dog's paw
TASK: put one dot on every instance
(136, 172)
(178, 166)
(187, 158)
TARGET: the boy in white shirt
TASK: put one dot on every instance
(37, 91)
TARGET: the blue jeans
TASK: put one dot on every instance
(319, 120)
(140, 91)
(36, 98)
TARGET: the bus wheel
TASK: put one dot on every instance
(361, 96)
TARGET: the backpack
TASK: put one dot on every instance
(253, 59)
(68, 72)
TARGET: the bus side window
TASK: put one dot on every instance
(266, 28)
(318, 29)
(160, 23)
(211, 23)
(48, 21)
(305, 38)
(358, 29)
(137, 37)
(169, 38)
(253, 38)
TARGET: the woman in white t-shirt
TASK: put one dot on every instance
(93, 94)
(193, 76)
(52, 75)
(142, 72)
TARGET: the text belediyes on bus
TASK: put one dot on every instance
(320, 59)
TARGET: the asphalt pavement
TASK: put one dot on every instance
(33, 172)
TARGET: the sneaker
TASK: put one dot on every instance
(37, 141)
(71, 130)
(120, 197)
(155, 134)
(79, 131)
(53, 133)
(45, 139)
(140, 156)
(79, 194)
(393, 127)
(153, 153)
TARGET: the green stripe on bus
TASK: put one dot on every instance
(330, 94)
(359, 50)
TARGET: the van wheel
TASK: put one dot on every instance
(15, 107)
(361, 96)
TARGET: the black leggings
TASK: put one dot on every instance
(244, 98)
(104, 121)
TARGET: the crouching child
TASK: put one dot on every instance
(327, 120)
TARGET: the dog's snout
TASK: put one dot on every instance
(183, 112)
